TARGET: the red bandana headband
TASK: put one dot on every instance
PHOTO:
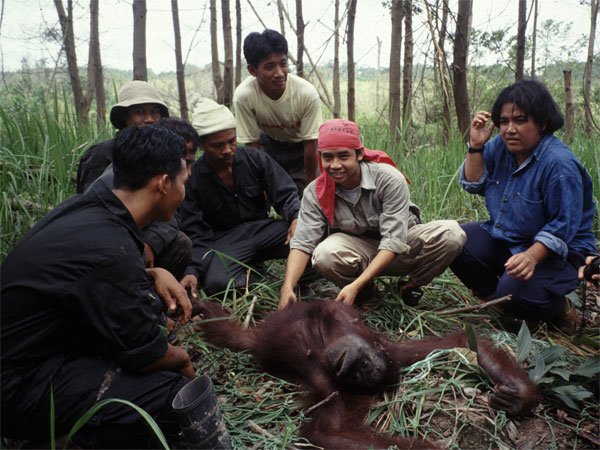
(335, 134)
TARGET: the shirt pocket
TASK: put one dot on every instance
(529, 211)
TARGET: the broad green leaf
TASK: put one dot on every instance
(567, 401)
(553, 353)
(576, 392)
(539, 368)
(574, 298)
(565, 374)
(523, 343)
(471, 339)
(589, 367)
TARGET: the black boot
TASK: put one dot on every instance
(199, 416)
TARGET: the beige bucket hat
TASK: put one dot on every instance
(209, 117)
(135, 92)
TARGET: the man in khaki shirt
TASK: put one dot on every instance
(373, 229)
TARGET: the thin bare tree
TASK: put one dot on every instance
(459, 65)
(407, 72)
(438, 38)
(140, 68)
(180, 70)
(228, 45)
(82, 104)
(214, 51)
(521, 28)
(238, 42)
(281, 19)
(351, 69)
(96, 78)
(587, 78)
(534, 37)
(299, 39)
(378, 75)
(394, 90)
(569, 108)
(336, 62)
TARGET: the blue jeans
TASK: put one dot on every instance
(480, 266)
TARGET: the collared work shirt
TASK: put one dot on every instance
(77, 284)
(381, 211)
(548, 199)
(210, 208)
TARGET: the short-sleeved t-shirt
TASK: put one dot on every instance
(294, 117)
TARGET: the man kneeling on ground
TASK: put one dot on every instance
(227, 204)
(362, 204)
(79, 310)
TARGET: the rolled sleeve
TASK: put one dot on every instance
(472, 187)
(311, 225)
(553, 243)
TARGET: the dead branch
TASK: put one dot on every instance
(246, 323)
(476, 307)
(260, 430)
(321, 403)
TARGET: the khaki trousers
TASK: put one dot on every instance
(342, 257)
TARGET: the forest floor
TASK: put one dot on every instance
(444, 400)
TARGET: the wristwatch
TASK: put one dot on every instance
(474, 150)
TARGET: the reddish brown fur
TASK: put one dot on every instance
(290, 343)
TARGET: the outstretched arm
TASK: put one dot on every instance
(515, 392)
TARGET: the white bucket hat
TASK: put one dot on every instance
(135, 92)
(209, 117)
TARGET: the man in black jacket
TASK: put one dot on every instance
(226, 208)
(79, 311)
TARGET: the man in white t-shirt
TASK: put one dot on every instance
(278, 112)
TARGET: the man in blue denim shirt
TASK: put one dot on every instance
(539, 198)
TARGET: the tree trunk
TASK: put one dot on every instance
(378, 75)
(394, 97)
(299, 39)
(216, 70)
(407, 74)
(238, 43)
(587, 78)
(336, 62)
(351, 72)
(66, 25)
(96, 62)
(183, 107)
(441, 63)
(534, 37)
(444, 72)
(459, 65)
(569, 108)
(521, 28)
(228, 44)
(140, 68)
(281, 18)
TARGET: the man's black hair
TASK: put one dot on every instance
(141, 153)
(535, 100)
(258, 46)
(181, 127)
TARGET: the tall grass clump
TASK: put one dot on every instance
(41, 141)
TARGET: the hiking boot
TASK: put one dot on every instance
(570, 320)
(410, 295)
